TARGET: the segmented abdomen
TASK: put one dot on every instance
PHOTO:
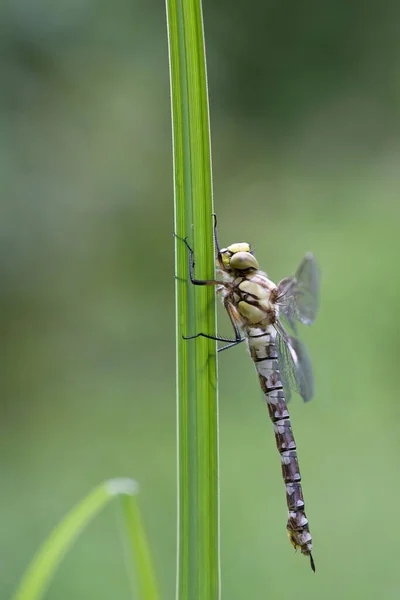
(263, 352)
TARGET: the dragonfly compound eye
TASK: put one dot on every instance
(225, 257)
(238, 247)
(243, 261)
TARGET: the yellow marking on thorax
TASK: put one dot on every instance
(260, 295)
(251, 313)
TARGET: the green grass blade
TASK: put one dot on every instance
(44, 564)
(198, 569)
(146, 581)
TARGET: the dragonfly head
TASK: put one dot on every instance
(238, 257)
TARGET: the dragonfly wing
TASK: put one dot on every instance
(307, 291)
(298, 296)
(288, 380)
(287, 305)
(294, 364)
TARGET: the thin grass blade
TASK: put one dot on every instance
(136, 535)
(40, 572)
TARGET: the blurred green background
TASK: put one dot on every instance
(305, 117)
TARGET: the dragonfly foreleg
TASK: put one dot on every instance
(216, 235)
(220, 286)
(191, 267)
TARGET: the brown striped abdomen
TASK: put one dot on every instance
(263, 352)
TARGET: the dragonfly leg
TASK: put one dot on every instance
(233, 316)
(216, 235)
(216, 338)
(230, 342)
(179, 278)
(191, 267)
(232, 345)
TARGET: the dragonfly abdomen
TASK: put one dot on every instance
(263, 352)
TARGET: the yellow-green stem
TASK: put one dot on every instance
(198, 572)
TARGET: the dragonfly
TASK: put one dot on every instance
(265, 316)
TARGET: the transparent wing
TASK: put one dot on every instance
(288, 377)
(307, 290)
(288, 311)
(298, 296)
(294, 364)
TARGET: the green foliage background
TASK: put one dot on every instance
(305, 118)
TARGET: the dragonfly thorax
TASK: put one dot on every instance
(252, 297)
